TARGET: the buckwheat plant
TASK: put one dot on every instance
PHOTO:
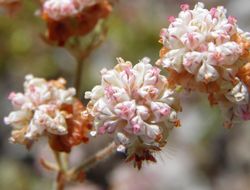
(203, 51)
(47, 109)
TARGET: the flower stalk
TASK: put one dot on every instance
(82, 54)
(60, 180)
(93, 160)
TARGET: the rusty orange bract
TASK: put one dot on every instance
(62, 26)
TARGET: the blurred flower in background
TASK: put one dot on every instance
(10, 6)
(67, 18)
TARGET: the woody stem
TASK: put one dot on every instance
(79, 70)
(96, 158)
(82, 54)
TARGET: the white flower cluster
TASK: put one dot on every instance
(38, 109)
(209, 46)
(135, 104)
(59, 9)
(201, 42)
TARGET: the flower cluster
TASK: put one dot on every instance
(204, 50)
(66, 18)
(46, 108)
(135, 105)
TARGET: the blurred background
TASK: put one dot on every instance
(201, 155)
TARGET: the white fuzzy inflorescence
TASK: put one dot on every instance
(59, 9)
(209, 48)
(133, 103)
(200, 41)
(38, 109)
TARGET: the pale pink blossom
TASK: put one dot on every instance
(37, 110)
(205, 50)
(59, 9)
(200, 42)
(135, 105)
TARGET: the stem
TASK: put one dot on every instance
(79, 70)
(58, 160)
(60, 181)
(82, 54)
(96, 158)
(65, 161)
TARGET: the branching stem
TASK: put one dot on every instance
(93, 160)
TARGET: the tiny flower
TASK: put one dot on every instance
(207, 73)
(58, 9)
(243, 111)
(171, 18)
(136, 107)
(238, 94)
(236, 106)
(67, 18)
(184, 7)
(234, 113)
(47, 108)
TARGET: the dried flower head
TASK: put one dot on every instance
(10, 6)
(135, 105)
(204, 50)
(66, 18)
(46, 108)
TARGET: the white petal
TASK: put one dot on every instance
(173, 59)
(121, 138)
(192, 61)
(207, 73)
(125, 110)
(18, 118)
(239, 94)
(160, 110)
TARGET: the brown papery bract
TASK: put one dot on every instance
(244, 74)
(59, 31)
(78, 127)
